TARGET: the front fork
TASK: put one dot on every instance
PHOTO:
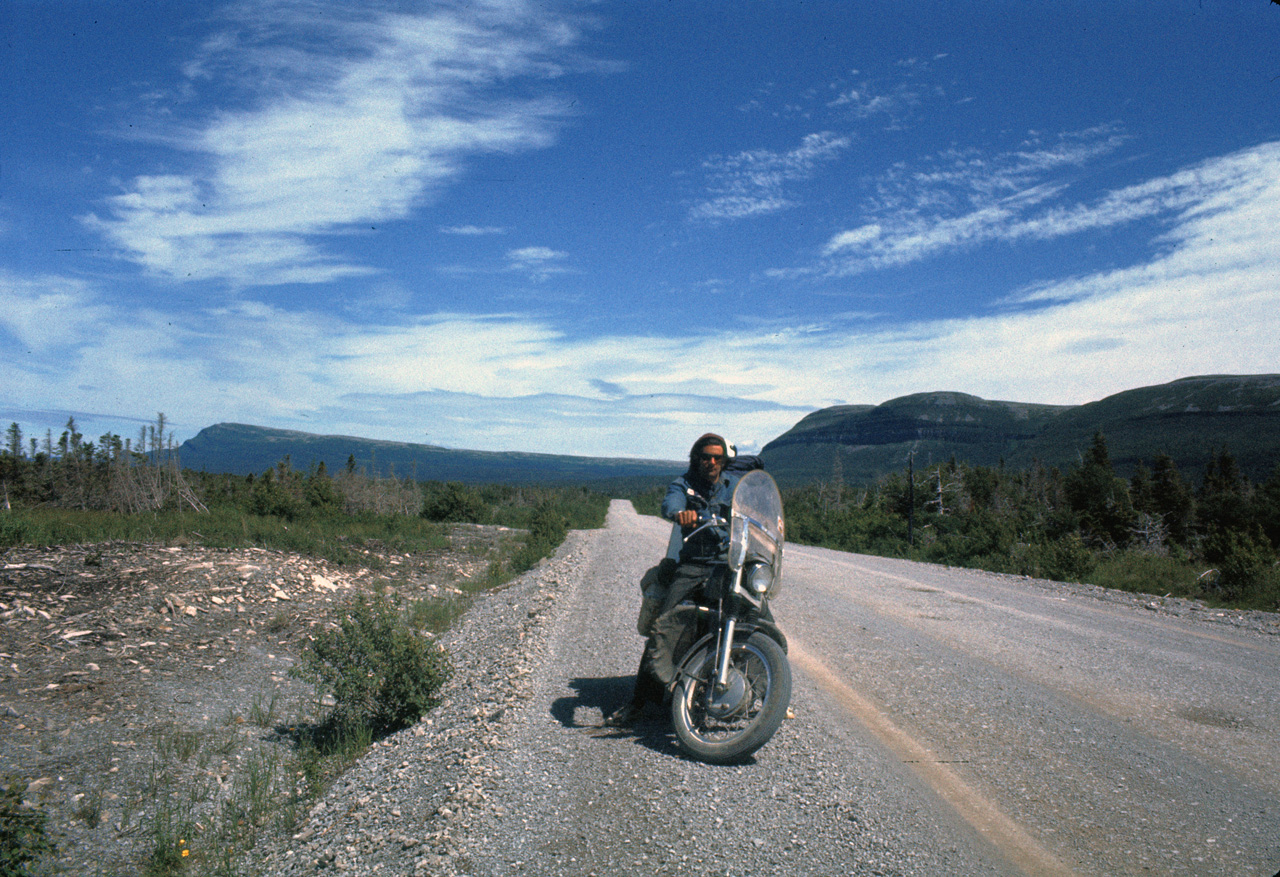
(726, 634)
(726, 644)
(722, 657)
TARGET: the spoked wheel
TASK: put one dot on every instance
(725, 725)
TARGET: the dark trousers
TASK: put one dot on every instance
(687, 579)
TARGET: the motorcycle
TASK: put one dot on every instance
(731, 682)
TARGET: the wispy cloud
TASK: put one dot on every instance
(538, 262)
(1206, 302)
(544, 422)
(895, 98)
(355, 119)
(756, 182)
(965, 199)
(863, 101)
(473, 230)
(45, 313)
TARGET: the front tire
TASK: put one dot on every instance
(727, 727)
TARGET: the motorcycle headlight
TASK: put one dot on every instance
(759, 577)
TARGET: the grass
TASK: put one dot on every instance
(1144, 573)
(339, 538)
(262, 712)
(89, 808)
(276, 782)
(170, 830)
(177, 743)
(191, 827)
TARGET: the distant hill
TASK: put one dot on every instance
(1189, 419)
(241, 449)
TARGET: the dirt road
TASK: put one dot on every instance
(946, 722)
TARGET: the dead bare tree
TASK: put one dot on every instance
(940, 490)
(149, 478)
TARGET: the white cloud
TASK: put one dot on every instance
(473, 230)
(534, 255)
(357, 120)
(858, 237)
(47, 313)
(538, 262)
(1206, 304)
(863, 101)
(1032, 213)
(755, 182)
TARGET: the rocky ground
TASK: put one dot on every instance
(143, 687)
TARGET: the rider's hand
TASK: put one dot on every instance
(687, 518)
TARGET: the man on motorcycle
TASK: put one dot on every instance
(704, 490)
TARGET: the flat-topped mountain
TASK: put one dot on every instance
(1189, 419)
(242, 449)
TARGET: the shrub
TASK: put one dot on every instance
(271, 498)
(1063, 560)
(454, 502)
(383, 675)
(1247, 572)
(547, 530)
(22, 836)
(1145, 573)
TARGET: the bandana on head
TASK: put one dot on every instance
(709, 438)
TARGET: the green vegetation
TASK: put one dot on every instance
(191, 825)
(545, 514)
(382, 673)
(377, 662)
(70, 491)
(23, 841)
(1187, 420)
(1151, 533)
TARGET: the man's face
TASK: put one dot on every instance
(710, 462)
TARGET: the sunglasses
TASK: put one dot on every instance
(711, 458)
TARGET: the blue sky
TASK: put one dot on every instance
(603, 228)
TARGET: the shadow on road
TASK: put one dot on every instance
(597, 697)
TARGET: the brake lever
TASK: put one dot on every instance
(710, 521)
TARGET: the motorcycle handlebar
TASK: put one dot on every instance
(706, 521)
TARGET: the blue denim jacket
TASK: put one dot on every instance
(709, 545)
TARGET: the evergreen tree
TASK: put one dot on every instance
(1099, 497)
(1266, 507)
(13, 441)
(1172, 499)
(1222, 504)
(321, 493)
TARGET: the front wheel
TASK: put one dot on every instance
(723, 726)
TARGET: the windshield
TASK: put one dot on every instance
(757, 531)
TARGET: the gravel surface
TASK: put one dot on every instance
(513, 774)
(1119, 734)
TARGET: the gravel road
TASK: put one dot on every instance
(1107, 733)
(946, 722)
